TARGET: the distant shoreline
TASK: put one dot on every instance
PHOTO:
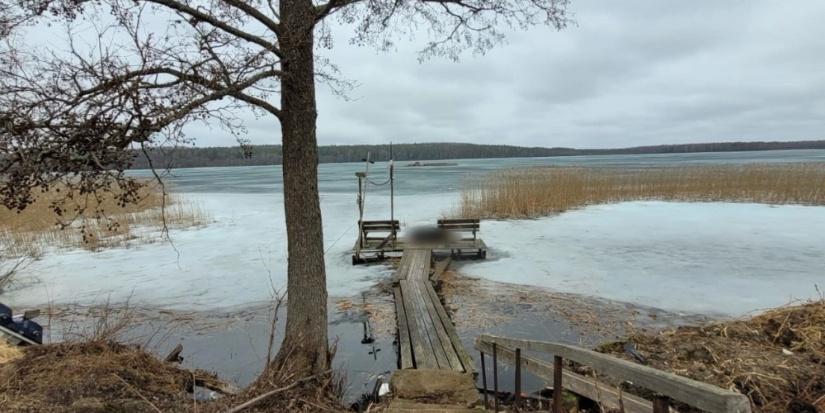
(267, 155)
(417, 164)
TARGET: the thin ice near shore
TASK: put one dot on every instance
(718, 259)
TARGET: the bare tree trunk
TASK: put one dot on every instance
(305, 339)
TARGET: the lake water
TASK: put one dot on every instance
(340, 178)
(723, 259)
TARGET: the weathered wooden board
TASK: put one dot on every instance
(440, 267)
(419, 269)
(422, 348)
(458, 221)
(453, 362)
(701, 395)
(608, 396)
(416, 341)
(404, 345)
(429, 326)
(403, 268)
(461, 352)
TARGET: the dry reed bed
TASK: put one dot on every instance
(538, 191)
(94, 221)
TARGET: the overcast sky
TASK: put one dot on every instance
(631, 72)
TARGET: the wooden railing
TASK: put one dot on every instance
(667, 386)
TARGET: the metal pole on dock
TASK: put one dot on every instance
(392, 201)
(495, 377)
(484, 379)
(362, 197)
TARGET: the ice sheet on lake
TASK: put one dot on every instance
(711, 258)
(708, 258)
(222, 265)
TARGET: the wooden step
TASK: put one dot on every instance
(435, 386)
(406, 406)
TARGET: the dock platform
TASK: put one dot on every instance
(379, 240)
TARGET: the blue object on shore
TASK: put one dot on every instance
(28, 329)
(25, 327)
(5, 315)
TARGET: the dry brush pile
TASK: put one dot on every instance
(101, 369)
(539, 191)
(776, 358)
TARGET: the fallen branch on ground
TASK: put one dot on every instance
(264, 396)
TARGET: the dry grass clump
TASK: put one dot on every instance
(747, 356)
(54, 377)
(538, 191)
(8, 352)
(94, 220)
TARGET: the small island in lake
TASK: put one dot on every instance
(432, 164)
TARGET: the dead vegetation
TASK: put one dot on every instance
(94, 220)
(483, 305)
(57, 377)
(8, 352)
(539, 191)
(100, 368)
(776, 358)
(9, 270)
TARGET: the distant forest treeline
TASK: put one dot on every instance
(271, 154)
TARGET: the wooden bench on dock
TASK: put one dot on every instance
(426, 335)
(464, 226)
(388, 229)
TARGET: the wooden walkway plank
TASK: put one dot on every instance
(400, 273)
(429, 323)
(404, 345)
(440, 267)
(440, 330)
(465, 358)
(419, 269)
(422, 350)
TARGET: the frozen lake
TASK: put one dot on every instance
(720, 259)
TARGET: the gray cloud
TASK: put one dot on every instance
(634, 72)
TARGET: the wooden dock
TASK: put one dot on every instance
(426, 335)
(435, 371)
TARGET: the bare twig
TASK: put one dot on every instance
(264, 396)
(138, 393)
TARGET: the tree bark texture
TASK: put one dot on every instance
(306, 323)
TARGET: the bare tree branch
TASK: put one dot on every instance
(200, 16)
